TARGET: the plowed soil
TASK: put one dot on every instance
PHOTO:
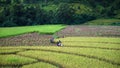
(31, 39)
(90, 31)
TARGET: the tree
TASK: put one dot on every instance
(65, 14)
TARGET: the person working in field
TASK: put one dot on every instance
(59, 43)
(52, 40)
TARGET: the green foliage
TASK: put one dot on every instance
(104, 22)
(37, 12)
(65, 14)
(82, 18)
(43, 29)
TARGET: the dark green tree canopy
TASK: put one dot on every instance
(39, 12)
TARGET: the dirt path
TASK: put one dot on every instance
(31, 39)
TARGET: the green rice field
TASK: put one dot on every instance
(76, 52)
(42, 29)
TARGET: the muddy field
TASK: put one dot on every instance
(26, 39)
(90, 31)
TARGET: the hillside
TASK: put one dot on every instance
(39, 12)
(115, 22)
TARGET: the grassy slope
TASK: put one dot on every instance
(104, 22)
(14, 60)
(112, 55)
(9, 50)
(61, 55)
(45, 29)
(68, 61)
(103, 42)
(69, 57)
(91, 39)
(39, 65)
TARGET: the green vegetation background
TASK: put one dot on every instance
(39, 12)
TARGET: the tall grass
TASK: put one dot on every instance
(112, 55)
(39, 65)
(68, 61)
(77, 52)
(14, 60)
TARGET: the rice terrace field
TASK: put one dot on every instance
(83, 47)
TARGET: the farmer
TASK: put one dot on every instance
(59, 43)
(52, 40)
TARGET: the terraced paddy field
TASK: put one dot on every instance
(90, 31)
(41, 29)
(77, 52)
(36, 38)
(28, 35)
